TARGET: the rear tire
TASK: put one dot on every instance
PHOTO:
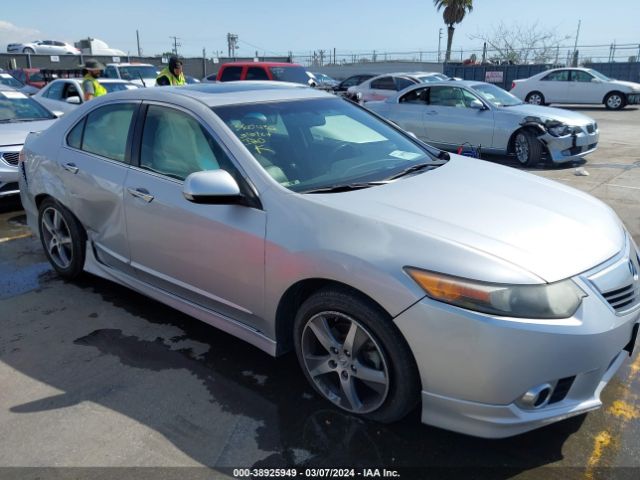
(535, 98)
(527, 148)
(63, 239)
(354, 356)
(615, 101)
(28, 50)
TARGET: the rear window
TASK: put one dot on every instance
(290, 74)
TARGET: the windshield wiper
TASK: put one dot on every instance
(18, 120)
(416, 168)
(345, 187)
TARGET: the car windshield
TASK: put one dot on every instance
(496, 96)
(317, 144)
(290, 74)
(7, 79)
(134, 73)
(599, 75)
(17, 107)
(438, 77)
(117, 86)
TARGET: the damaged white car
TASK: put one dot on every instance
(483, 116)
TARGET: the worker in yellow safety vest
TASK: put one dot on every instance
(171, 75)
(91, 71)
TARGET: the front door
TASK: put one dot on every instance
(210, 255)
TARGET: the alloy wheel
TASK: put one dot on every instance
(535, 99)
(522, 148)
(614, 101)
(345, 362)
(57, 237)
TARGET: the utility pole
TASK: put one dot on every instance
(232, 44)
(138, 39)
(175, 44)
(439, 43)
(575, 46)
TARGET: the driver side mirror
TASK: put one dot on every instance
(73, 100)
(477, 105)
(213, 187)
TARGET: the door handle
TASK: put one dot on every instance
(141, 193)
(71, 167)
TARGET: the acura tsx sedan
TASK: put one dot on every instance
(398, 273)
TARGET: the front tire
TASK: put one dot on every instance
(535, 98)
(615, 101)
(354, 356)
(63, 239)
(527, 148)
(29, 51)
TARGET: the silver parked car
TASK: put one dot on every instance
(65, 94)
(294, 219)
(19, 115)
(43, 47)
(448, 115)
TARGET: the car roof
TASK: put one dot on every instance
(260, 64)
(228, 93)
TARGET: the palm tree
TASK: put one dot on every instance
(454, 12)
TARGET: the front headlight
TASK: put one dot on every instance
(546, 301)
(559, 130)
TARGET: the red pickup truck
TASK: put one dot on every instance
(283, 72)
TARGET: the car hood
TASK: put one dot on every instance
(550, 230)
(549, 113)
(15, 133)
(148, 81)
(632, 85)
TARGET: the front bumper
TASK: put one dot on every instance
(475, 368)
(9, 171)
(633, 98)
(581, 142)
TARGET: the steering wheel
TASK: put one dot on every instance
(369, 164)
(341, 151)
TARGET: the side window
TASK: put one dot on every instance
(402, 83)
(176, 145)
(110, 72)
(580, 76)
(231, 73)
(417, 96)
(558, 76)
(468, 98)
(107, 129)
(383, 83)
(54, 91)
(446, 97)
(350, 82)
(256, 73)
(74, 138)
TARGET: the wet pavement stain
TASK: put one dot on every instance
(15, 281)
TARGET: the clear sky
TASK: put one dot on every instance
(278, 26)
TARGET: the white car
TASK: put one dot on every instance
(387, 85)
(65, 94)
(43, 47)
(142, 74)
(576, 85)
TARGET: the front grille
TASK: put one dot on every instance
(9, 187)
(11, 158)
(622, 298)
(562, 388)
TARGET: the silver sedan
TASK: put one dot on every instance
(398, 273)
(484, 116)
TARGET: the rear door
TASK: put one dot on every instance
(93, 165)
(555, 86)
(410, 112)
(209, 255)
(379, 89)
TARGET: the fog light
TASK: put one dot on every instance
(537, 397)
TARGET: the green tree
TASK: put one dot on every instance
(453, 13)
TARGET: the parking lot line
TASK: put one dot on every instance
(16, 237)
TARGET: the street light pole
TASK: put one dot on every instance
(439, 43)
